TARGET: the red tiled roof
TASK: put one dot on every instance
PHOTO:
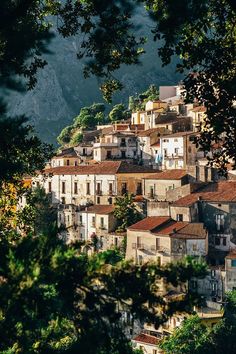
(151, 131)
(146, 338)
(150, 223)
(179, 134)
(137, 126)
(130, 168)
(169, 228)
(168, 174)
(164, 225)
(100, 209)
(223, 191)
(102, 168)
(99, 168)
(191, 231)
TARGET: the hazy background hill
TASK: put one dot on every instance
(61, 90)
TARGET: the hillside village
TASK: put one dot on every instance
(186, 208)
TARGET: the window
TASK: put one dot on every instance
(63, 200)
(68, 218)
(123, 142)
(123, 188)
(75, 188)
(49, 187)
(67, 162)
(93, 221)
(80, 219)
(233, 263)
(108, 154)
(37, 184)
(109, 200)
(139, 188)
(214, 286)
(165, 152)
(224, 241)
(98, 200)
(99, 188)
(110, 188)
(194, 247)
(151, 191)
(217, 241)
(102, 222)
(220, 220)
(123, 154)
(88, 188)
(63, 187)
(76, 163)
(154, 351)
(116, 242)
(157, 244)
(179, 217)
(84, 151)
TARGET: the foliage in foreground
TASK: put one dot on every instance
(193, 337)
(53, 299)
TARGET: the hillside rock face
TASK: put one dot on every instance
(61, 89)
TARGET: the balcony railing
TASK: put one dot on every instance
(98, 192)
(102, 227)
(138, 246)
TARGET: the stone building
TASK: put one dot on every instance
(157, 185)
(161, 239)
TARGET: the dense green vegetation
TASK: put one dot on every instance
(193, 337)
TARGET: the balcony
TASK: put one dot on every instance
(174, 156)
(138, 246)
(102, 227)
(104, 144)
(111, 192)
(98, 192)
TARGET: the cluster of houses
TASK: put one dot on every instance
(187, 208)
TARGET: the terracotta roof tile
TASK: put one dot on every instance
(126, 167)
(169, 228)
(164, 225)
(179, 134)
(150, 223)
(146, 338)
(102, 168)
(168, 174)
(191, 231)
(100, 209)
(223, 191)
(151, 131)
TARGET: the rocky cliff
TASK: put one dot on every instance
(61, 89)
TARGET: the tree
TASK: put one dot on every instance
(117, 113)
(90, 116)
(199, 33)
(126, 212)
(65, 135)
(138, 102)
(21, 151)
(194, 337)
(76, 139)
